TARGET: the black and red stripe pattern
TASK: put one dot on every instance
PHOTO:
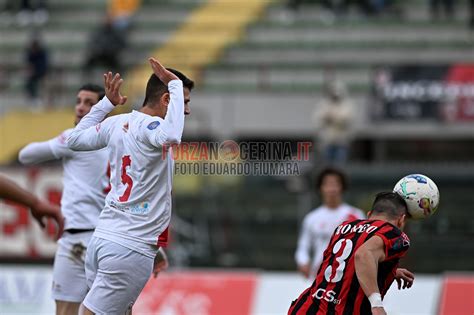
(336, 289)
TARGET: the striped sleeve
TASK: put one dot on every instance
(396, 243)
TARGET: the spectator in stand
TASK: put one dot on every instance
(333, 119)
(106, 44)
(37, 68)
(448, 6)
(122, 11)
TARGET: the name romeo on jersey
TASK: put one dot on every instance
(348, 228)
(336, 288)
(330, 295)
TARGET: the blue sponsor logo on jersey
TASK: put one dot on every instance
(419, 178)
(153, 125)
(141, 208)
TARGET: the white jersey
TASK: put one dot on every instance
(85, 179)
(138, 208)
(317, 229)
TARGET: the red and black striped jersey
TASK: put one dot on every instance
(336, 289)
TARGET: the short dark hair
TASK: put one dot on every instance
(93, 88)
(331, 171)
(155, 88)
(390, 203)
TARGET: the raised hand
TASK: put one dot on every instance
(112, 84)
(164, 75)
(405, 277)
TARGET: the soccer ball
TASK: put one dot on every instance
(420, 194)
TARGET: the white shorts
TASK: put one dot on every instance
(115, 275)
(69, 275)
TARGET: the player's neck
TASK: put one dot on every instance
(332, 203)
(383, 218)
(151, 111)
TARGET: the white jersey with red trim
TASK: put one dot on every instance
(85, 179)
(138, 208)
(317, 229)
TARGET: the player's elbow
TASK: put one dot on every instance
(361, 257)
(72, 142)
(173, 138)
(25, 158)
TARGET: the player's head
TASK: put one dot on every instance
(331, 184)
(391, 206)
(157, 95)
(87, 96)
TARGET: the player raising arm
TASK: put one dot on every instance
(39, 209)
(85, 185)
(134, 223)
(360, 263)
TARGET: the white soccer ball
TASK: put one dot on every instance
(420, 193)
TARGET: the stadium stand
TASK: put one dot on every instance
(266, 85)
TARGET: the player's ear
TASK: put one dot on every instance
(165, 98)
(402, 221)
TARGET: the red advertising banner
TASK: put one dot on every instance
(20, 234)
(190, 293)
(457, 295)
(461, 107)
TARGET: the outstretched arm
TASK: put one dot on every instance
(39, 209)
(89, 134)
(38, 152)
(367, 259)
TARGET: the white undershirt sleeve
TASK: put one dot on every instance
(92, 132)
(304, 244)
(38, 152)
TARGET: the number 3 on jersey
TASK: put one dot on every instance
(126, 179)
(341, 257)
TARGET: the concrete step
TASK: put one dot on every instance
(252, 57)
(308, 12)
(355, 34)
(374, 44)
(278, 77)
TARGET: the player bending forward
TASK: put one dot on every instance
(360, 263)
(137, 211)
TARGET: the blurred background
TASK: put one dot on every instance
(265, 71)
